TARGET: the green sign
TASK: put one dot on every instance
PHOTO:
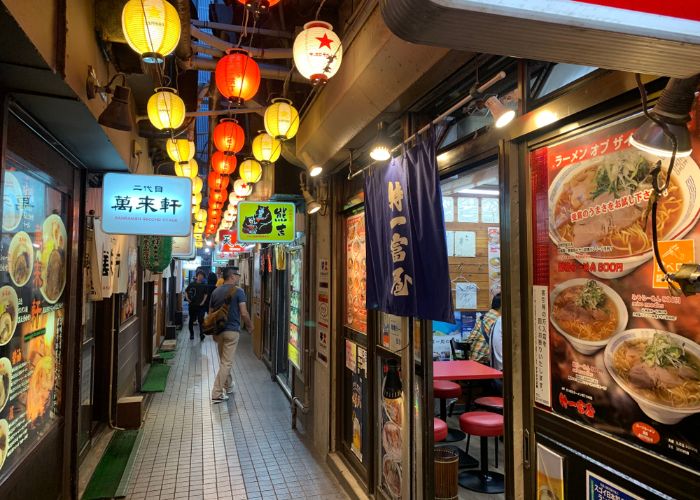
(266, 222)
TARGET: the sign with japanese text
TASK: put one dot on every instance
(228, 244)
(266, 222)
(296, 327)
(598, 488)
(159, 205)
(407, 268)
(617, 350)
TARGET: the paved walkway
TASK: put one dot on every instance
(240, 449)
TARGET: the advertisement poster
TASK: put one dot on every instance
(323, 327)
(392, 414)
(392, 331)
(598, 488)
(130, 298)
(295, 326)
(494, 256)
(444, 333)
(266, 222)
(351, 355)
(33, 257)
(355, 265)
(550, 474)
(359, 380)
(625, 354)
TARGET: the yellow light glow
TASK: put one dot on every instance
(151, 28)
(266, 149)
(166, 110)
(189, 169)
(197, 184)
(281, 119)
(250, 171)
(180, 149)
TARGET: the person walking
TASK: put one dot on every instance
(196, 295)
(227, 340)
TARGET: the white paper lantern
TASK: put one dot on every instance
(317, 52)
(233, 198)
(242, 188)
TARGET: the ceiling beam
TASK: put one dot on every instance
(240, 29)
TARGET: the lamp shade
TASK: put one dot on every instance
(166, 111)
(281, 119)
(250, 171)
(151, 28)
(180, 149)
(117, 114)
(228, 136)
(237, 76)
(502, 116)
(156, 252)
(266, 149)
(218, 196)
(197, 184)
(217, 181)
(197, 199)
(242, 188)
(317, 52)
(223, 163)
(187, 169)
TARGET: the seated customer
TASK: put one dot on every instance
(480, 336)
(497, 352)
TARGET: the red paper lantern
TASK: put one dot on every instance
(224, 163)
(251, 3)
(229, 136)
(215, 205)
(218, 196)
(217, 181)
(237, 76)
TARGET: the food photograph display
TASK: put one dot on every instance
(33, 259)
(356, 265)
(624, 350)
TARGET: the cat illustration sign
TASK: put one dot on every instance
(266, 222)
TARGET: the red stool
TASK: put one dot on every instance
(439, 430)
(491, 403)
(484, 424)
(444, 390)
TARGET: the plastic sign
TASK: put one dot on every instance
(228, 244)
(183, 247)
(266, 222)
(156, 205)
(192, 265)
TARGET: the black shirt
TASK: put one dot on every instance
(196, 293)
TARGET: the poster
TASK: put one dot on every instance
(129, 300)
(489, 211)
(450, 240)
(295, 324)
(550, 474)
(494, 256)
(448, 208)
(625, 354)
(34, 254)
(598, 488)
(392, 438)
(323, 312)
(351, 355)
(355, 277)
(444, 333)
(266, 222)
(465, 294)
(392, 331)
(467, 209)
(465, 244)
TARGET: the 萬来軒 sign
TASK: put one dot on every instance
(266, 222)
(159, 205)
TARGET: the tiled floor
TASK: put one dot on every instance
(243, 448)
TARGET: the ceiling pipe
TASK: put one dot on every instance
(240, 29)
(222, 45)
(269, 71)
(184, 46)
(216, 112)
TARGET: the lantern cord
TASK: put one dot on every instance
(318, 12)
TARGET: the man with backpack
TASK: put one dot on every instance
(196, 295)
(230, 294)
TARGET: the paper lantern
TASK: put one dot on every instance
(166, 111)
(197, 199)
(228, 136)
(242, 188)
(217, 196)
(266, 149)
(151, 28)
(223, 163)
(234, 198)
(232, 207)
(250, 171)
(180, 149)
(281, 119)
(213, 213)
(156, 252)
(199, 227)
(217, 181)
(237, 76)
(317, 52)
(259, 4)
(197, 184)
(200, 215)
(194, 209)
(188, 169)
(229, 216)
(216, 205)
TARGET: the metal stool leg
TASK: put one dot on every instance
(495, 440)
(483, 480)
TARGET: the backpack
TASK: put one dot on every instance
(215, 322)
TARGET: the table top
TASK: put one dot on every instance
(463, 370)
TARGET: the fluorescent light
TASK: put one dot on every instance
(484, 192)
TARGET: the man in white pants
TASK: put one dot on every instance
(227, 340)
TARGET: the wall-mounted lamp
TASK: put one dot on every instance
(381, 149)
(117, 114)
(502, 116)
(313, 204)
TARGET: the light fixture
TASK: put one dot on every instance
(207, 249)
(381, 149)
(228, 136)
(224, 162)
(281, 119)
(201, 215)
(196, 199)
(217, 196)
(197, 184)
(151, 28)
(180, 149)
(166, 110)
(242, 188)
(483, 192)
(315, 171)
(195, 208)
(217, 181)
(258, 7)
(187, 169)
(672, 112)
(317, 52)
(250, 171)
(237, 76)
(117, 114)
(233, 198)
(393, 388)
(312, 204)
(502, 116)
(266, 149)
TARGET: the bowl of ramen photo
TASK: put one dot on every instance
(20, 259)
(588, 313)
(659, 370)
(8, 313)
(598, 209)
(391, 469)
(53, 258)
(5, 381)
(4, 440)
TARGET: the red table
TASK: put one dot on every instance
(463, 370)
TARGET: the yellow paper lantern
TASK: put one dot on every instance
(180, 149)
(281, 119)
(166, 110)
(197, 199)
(250, 171)
(151, 28)
(188, 169)
(317, 52)
(242, 188)
(197, 184)
(201, 215)
(199, 227)
(199, 244)
(194, 208)
(266, 149)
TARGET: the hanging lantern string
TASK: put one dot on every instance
(318, 12)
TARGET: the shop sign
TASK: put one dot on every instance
(616, 352)
(156, 205)
(295, 325)
(228, 244)
(192, 265)
(598, 488)
(266, 222)
(183, 246)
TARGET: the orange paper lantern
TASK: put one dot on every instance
(223, 162)
(229, 136)
(217, 181)
(217, 196)
(237, 76)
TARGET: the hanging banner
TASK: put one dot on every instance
(266, 222)
(408, 272)
(156, 205)
(623, 354)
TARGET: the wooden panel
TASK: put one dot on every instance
(128, 357)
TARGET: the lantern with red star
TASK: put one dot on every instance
(237, 76)
(228, 136)
(223, 163)
(317, 52)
